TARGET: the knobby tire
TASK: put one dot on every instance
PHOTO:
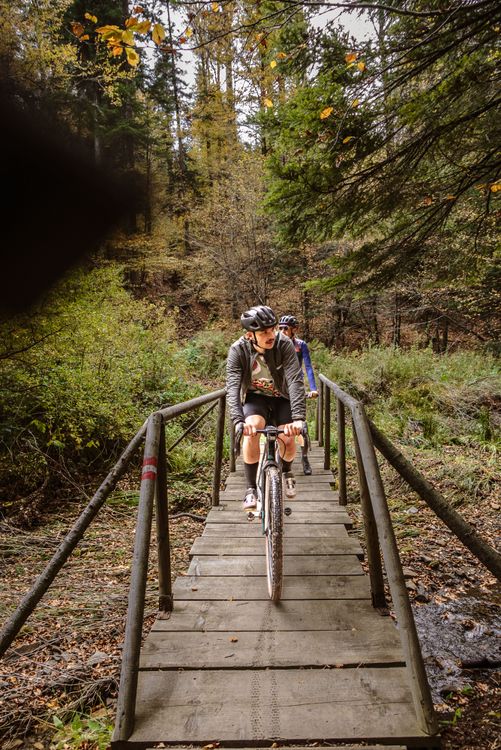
(274, 532)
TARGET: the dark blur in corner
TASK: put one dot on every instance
(56, 205)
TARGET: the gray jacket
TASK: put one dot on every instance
(284, 368)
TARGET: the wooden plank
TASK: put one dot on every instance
(263, 616)
(254, 529)
(291, 705)
(294, 587)
(304, 496)
(297, 505)
(294, 565)
(238, 516)
(301, 481)
(271, 649)
(339, 544)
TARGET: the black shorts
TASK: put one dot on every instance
(276, 410)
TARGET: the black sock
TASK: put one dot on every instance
(251, 474)
(286, 465)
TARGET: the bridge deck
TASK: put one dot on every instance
(229, 666)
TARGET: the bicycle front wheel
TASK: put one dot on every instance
(274, 522)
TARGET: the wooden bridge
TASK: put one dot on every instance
(223, 665)
(230, 666)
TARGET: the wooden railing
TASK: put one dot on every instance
(379, 533)
(154, 492)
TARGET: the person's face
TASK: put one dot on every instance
(288, 331)
(266, 338)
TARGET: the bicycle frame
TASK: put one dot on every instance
(269, 456)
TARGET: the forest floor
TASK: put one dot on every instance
(59, 681)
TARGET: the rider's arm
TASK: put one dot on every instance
(294, 378)
(308, 366)
(234, 377)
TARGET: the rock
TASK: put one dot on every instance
(97, 658)
(409, 573)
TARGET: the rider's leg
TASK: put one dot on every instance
(250, 454)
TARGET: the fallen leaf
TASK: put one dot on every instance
(325, 113)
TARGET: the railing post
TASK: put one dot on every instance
(135, 612)
(327, 427)
(231, 429)
(341, 452)
(165, 599)
(218, 457)
(371, 535)
(420, 688)
(320, 415)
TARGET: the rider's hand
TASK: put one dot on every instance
(249, 430)
(294, 428)
(313, 394)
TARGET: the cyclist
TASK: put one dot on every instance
(265, 385)
(288, 325)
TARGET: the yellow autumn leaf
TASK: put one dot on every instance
(117, 50)
(90, 17)
(110, 33)
(325, 113)
(281, 55)
(361, 66)
(267, 103)
(84, 38)
(273, 64)
(348, 138)
(143, 27)
(188, 32)
(355, 102)
(158, 33)
(350, 57)
(132, 21)
(132, 56)
(128, 37)
(495, 187)
(215, 7)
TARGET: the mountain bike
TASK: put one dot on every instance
(270, 507)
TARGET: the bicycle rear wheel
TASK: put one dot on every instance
(274, 522)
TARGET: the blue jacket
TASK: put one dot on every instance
(303, 354)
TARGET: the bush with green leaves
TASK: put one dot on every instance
(450, 398)
(78, 375)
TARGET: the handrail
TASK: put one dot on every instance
(380, 533)
(154, 488)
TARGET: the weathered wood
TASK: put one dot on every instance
(371, 535)
(298, 517)
(263, 616)
(338, 544)
(341, 452)
(272, 649)
(162, 523)
(410, 643)
(303, 496)
(294, 565)
(327, 428)
(236, 482)
(461, 528)
(295, 587)
(254, 528)
(135, 610)
(218, 452)
(230, 705)
(312, 507)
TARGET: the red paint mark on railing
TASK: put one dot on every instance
(149, 468)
